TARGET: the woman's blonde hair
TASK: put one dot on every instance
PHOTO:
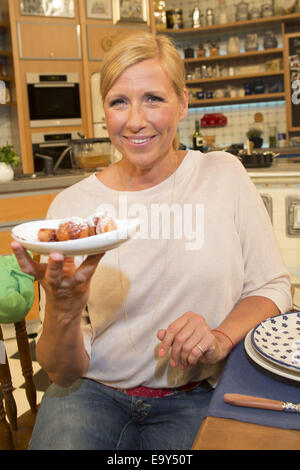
(136, 48)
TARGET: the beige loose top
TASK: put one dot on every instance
(205, 243)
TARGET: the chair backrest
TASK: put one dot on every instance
(11, 434)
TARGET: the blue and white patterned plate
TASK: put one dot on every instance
(278, 340)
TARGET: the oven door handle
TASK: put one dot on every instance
(54, 85)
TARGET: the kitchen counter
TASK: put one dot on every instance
(281, 169)
(41, 183)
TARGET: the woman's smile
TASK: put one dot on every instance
(142, 113)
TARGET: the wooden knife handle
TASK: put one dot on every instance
(252, 402)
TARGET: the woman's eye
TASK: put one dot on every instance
(154, 99)
(117, 101)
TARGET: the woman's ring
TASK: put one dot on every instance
(200, 348)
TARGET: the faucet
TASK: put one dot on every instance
(61, 157)
(48, 167)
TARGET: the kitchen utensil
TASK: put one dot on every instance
(257, 159)
(91, 153)
(278, 340)
(258, 402)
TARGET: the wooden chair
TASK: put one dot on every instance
(15, 432)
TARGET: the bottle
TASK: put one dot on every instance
(222, 12)
(197, 137)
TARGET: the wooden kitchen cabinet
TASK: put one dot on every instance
(54, 41)
(16, 210)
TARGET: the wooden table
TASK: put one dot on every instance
(229, 434)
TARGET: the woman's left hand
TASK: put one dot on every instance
(191, 340)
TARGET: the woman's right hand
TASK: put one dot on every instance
(66, 286)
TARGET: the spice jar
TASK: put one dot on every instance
(188, 53)
(174, 18)
(270, 40)
(266, 10)
(241, 11)
(210, 17)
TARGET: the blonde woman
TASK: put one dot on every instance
(135, 343)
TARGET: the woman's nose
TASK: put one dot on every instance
(136, 119)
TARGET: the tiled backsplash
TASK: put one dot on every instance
(5, 126)
(239, 120)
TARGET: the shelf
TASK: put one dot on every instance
(234, 77)
(4, 25)
(273, 20)
(5, 53)
(5, 78)
(241, 55)
(237, 100)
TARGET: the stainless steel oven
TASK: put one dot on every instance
(54, 100)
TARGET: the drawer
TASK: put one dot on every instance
(24, 208)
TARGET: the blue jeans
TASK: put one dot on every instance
(91, 416)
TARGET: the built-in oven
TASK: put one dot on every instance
(48, 149)
(53, 99)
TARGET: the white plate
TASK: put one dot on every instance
(27, 235)
(278, 340)
(265, 364)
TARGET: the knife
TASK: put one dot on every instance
(258, 402)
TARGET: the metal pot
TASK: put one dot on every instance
(257, 159)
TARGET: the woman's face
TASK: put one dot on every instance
(142, 112)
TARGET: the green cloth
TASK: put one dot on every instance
(16, 290)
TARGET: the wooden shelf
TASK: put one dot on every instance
(272, 21)
(4, 25)
(241, 55)
(234, 77)
(5, 53)
(237, 100)
(5, 78)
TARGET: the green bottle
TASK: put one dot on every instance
(197, 137)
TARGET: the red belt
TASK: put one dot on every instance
(155, 392)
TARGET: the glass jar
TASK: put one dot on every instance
(267, 10)
(270, 40)
(241, 11)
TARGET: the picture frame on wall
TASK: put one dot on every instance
(58, 8)
(99, 9)
(130, 11)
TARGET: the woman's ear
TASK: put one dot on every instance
(184, 106)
